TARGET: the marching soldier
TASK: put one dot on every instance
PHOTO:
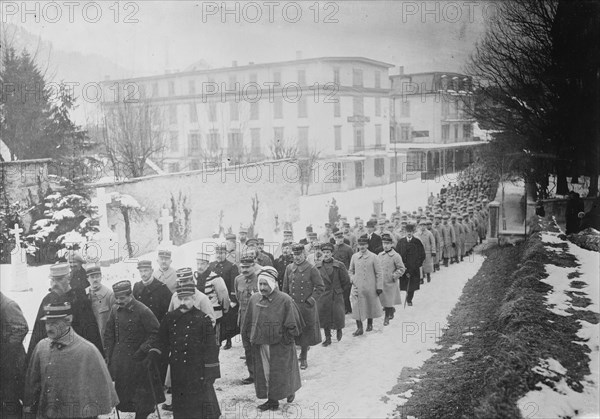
(412, 253)
(331, 303)
(392, 269)
(228, 271)
(130, 333)
(101, 296)
(188, 335)
(246, 284)
(428, 241)
(304, 284)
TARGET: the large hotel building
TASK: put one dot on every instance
(368, 122)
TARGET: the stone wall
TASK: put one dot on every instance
(208, 192)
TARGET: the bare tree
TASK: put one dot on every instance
(132, 136)
(283, 149)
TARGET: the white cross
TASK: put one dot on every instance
(17, 233)
(164, 221)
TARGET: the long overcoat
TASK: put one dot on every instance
(437, 234)
(366, 276)
(428, 241)
(304, 284)
(449, 238)
(332, 310)
(272, 323)
(129, 334)
(460, 238)
(156, 296)
(392, 269)
(229, 323)
(413, 255)
(194, 361)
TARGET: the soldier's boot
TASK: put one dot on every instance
(386, 319)
(327, 341)
(339, 335)
(392, 311)
(428, 277)
(445, 261)
(359, 328)
(369, 325)
(303, 355)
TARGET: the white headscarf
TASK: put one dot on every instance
(269, 274)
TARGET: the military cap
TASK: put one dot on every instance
(184, 274)
(327, 246)
(335, 230)
(346, 224)
(221, 247)
(251, 241)
(185, 290)
(143, 264)
(312, 236)
(230, 236)
(247, 260)
(56, 311)
(386, 238)
(338, 233)
(364, 239)
(286, 244)
(445, 217)
(309, 229)
(59, 270)
(297, 248)
(356, 218)
(122, 288)
(423, 222)
(93, 269)
(260, 240)
(243, 230)
(381, 221)
(327, 224)
(164, 253)
(287, 232)
(316, 245)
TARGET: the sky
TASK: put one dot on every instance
(151, 36)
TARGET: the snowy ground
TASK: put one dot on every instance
(562, 401)
(350, 378)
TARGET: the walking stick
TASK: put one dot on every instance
(407, 289)
(117, 410)
(152, 389)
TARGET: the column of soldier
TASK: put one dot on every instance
(165, 331)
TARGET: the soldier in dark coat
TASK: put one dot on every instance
(261, 249)
(228, 271)
(282, 262)
(130, 333)
(151, 292)
(303, 282)
(84, 322)
(331, 305)
(343, 252)
(155, 295)
(271, 324)
(12, 357)
(413, 255)
(188, 335)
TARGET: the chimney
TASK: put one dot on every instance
(298, 55)
(400, 70)
(234, 63)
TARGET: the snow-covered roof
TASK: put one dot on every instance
(434, 146)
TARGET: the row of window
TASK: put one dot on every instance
(253, 110)
(193, 88)
(452, 131)
(235, 140)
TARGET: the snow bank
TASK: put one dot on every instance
(562, 401)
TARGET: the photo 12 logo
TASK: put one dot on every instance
(68, 12)
(269, 12)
